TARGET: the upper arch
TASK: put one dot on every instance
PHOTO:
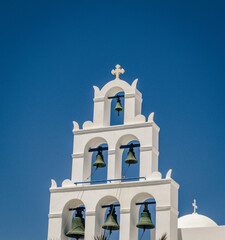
(109, 199)
(94, 142)
(113, 86)
(125, 139)
(141, 197)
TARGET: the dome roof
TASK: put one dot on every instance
(195, 220)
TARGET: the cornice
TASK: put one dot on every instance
(80, 187)
(113, 128)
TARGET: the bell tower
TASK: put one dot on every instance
(81, 193)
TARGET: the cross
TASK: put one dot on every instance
(117, 71)
(194, 205)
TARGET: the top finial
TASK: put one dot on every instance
(195, 206)
(117, 71)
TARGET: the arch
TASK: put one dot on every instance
(126, 87)
(135, 209)
(92, 143)
(141, 197)
(100, 212)
(124, 140)
(113, 91)
(67, 216)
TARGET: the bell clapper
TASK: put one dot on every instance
(110, 232)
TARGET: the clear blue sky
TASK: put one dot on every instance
(53, 52)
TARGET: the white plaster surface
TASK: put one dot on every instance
(152, 185)
(127, 194)
(99, 131)
(206, 233)
(195, 220)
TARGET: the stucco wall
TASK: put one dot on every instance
(209, 233)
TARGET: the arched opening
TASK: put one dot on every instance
(130, 167)
(107, 210)
(148, 232)
(96, 149)
(112, 221)
(117, 109)
(73, 215)
(143, 217)
(111, 116)
(99, 164)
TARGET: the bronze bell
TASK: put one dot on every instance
(111, 223)
(99, 161)
(118, 107)
(145, 219)
(77, 229)
(131, 159)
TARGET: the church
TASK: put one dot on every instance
(84, 208)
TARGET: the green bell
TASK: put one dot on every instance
(145, 219)
(111, 223)
(131, 159)
(118, 107)
(99, 161)
(77, 228)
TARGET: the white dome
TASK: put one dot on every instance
(195, 220)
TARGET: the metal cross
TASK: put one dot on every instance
(194, 205)
(117, 71)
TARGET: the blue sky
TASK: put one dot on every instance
(53, 52)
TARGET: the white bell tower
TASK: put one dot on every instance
(150, 184)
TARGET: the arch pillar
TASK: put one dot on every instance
(111, 174)
(133, 221)
(166, 222)
(148, 161)
(125, 223)
(114, 164)
(55, 227)
(77, 168)
(89, 225)
(132, 106)
(102, 118)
